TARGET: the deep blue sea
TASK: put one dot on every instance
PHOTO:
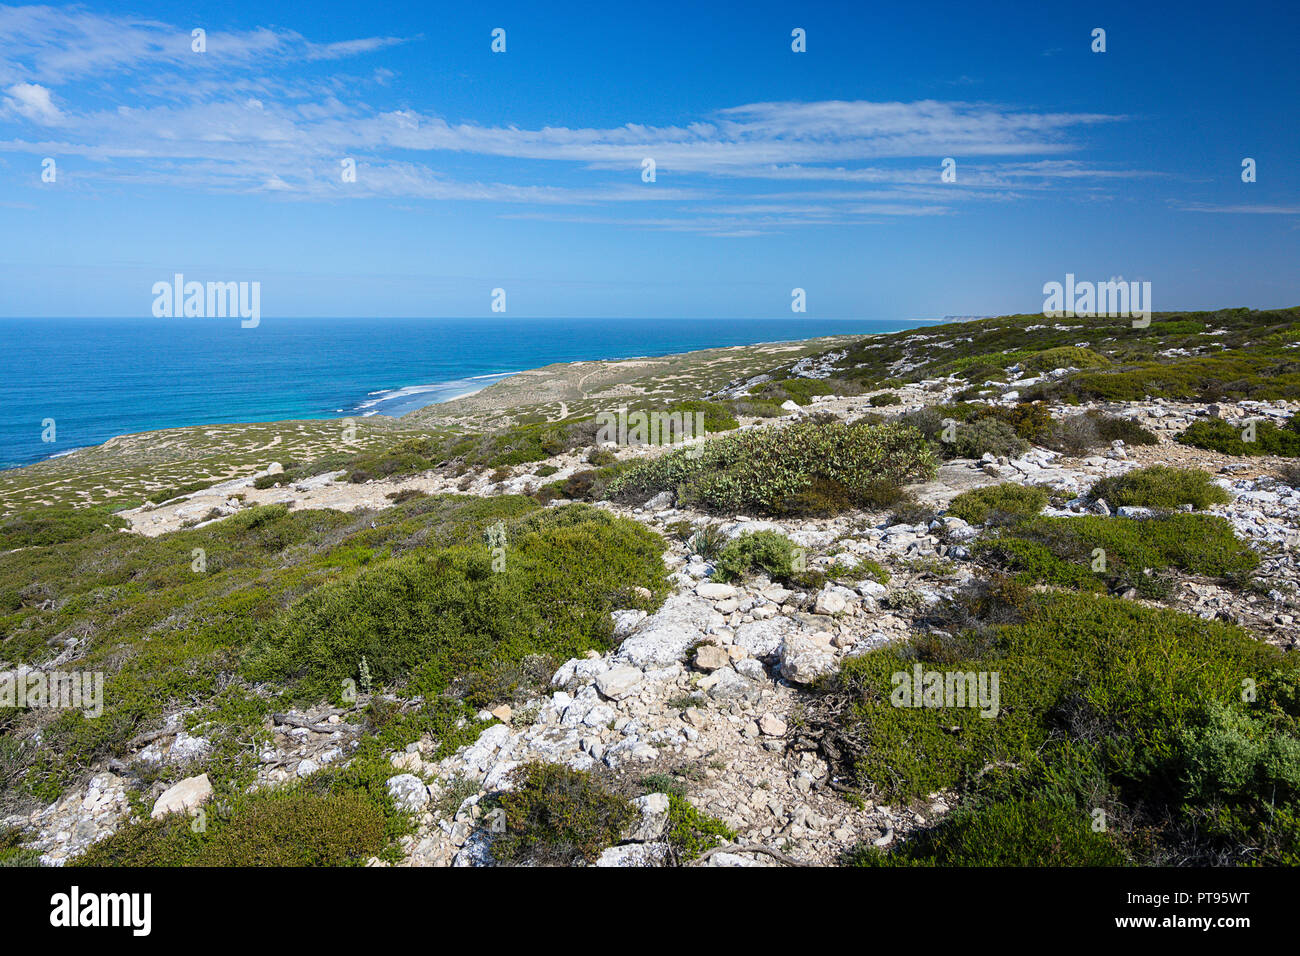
(97, 378)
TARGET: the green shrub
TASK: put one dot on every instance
(690, 832)
(162, 495)
(1063, 551)
(1065, 357)
(1080, 434)
(12, 852)
(435, 618)
(766, 551)
(277, 828)
(54, 526)
(557, 816)
(958, 433)
(1160, 486)
(1223, 376)
(885, 398)
(1112, 428)
(1013, 832)
(987, 436)
(797, 469)
(1103, 702)
(1218, 435)
(975, 506)
(798, 390)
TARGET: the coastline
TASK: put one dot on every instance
(306, 370)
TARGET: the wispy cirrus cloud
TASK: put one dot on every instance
(55, 45)
(233, 120)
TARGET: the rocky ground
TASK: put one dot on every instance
(710, 686)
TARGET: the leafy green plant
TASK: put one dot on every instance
(1160, 486)
(689, 832)
(558, 816)
(768, 551)
(978, 504)
(1105, 703)
(829, 466)
(1218, 435)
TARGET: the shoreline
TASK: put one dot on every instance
(404, 400)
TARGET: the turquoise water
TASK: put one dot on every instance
(97, 378)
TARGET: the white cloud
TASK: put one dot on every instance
(31, 100)
(233, 119)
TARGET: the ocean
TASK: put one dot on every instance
(98, 378)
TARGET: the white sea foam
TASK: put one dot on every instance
(438, 392)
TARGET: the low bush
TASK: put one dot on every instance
(1065, 357)
(440, 617)
(1220, 436)
(555, 816)
(1080, 434)
(885, 398)
(1206, 378)
(767, 551)
(966, 437)
(50, 526)
(1065, 551)
(977, 505)
(797, 390)
(1101, 703)
(805, 468)
(308, 825)
(690, 832)
(1011, 832)
(1160, 486)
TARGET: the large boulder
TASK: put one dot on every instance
(619, 682)
(762, 638)
(668, 635)
(804, 660)
(190, 794)
(408, 792)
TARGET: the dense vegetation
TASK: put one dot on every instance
(1160, 486)
(1180, 737)
(979, 504)
(1096, 554)
(287, 604)
(806, 468)
(1268, 439)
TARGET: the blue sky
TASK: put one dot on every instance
(523, 170)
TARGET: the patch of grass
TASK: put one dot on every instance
(708, 541)
(1160, 486)
(1218, 435)
(1064, 551)
(557, 816)
(1102, 703)
(977, 505)
(802, 468)
(768, 551)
